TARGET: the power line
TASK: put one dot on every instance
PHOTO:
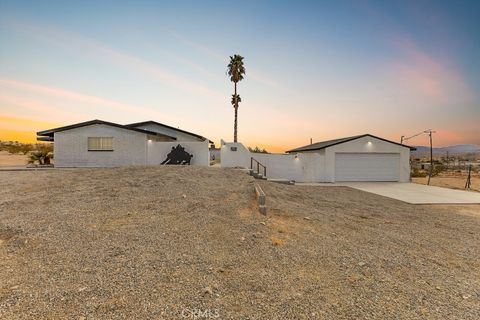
(402, 139)
(429, 132)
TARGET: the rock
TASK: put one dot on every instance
(82, 289)
(306, 218)
(184, 196)
(263, 223)
(466, 296)
(438, 288)
(207, 290)
(242, 238)
(361, 263)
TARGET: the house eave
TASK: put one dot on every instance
(306, 148)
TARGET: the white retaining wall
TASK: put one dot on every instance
(157, 152)
(305, 167)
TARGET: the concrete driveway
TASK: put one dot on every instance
(416, 193)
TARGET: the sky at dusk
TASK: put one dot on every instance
(319, 69)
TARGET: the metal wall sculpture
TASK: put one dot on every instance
(178, 155)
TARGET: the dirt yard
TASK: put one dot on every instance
(452, 182)
(174, 242)
(12, 160)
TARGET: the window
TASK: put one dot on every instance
(100, 144)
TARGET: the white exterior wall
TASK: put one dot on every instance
(313, 166)
(71, 147)
(361, 145)
(231, 159)
(158, 151)
(306, 167)
(169, 132)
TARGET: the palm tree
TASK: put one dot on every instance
(236, 70)
(236, 99)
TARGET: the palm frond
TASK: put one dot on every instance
(236, 99)
(235, 68)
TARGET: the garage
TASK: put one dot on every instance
(367, 167)
(358, 158)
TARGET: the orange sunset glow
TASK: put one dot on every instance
(375, 75)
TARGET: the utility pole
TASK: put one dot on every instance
(429, 131)
(311, 141)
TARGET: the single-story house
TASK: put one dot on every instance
(99, 143)
(358, 158)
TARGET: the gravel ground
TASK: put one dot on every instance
(180, 242)
(11, 160)
(452, 182)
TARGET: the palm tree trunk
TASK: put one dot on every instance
(236, 116)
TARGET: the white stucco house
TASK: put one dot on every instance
(358, 158)
(100, 143)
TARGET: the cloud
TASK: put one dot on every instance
(34, 107)
(22, 129)
(426, 75)
(84, 45)
(74, 96)
(224, 58)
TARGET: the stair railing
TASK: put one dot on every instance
(258, 164)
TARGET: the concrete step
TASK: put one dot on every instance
(282, 181)
(259, 176)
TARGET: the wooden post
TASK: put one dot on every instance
(431, 158)
(468, 183)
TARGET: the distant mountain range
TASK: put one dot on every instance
(458, 148)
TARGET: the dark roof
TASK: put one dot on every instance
(43, 135)
(329, 143)
(166, 126)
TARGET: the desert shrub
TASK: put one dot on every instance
(14, 148)
(416, 173)
(40, 156)
(437, 170)
(45, 147)
(257, 150)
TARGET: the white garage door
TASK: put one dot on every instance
(367, 166)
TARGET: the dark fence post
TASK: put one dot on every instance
(468, 183)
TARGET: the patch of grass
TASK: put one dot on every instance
(277, 242)
(282, 229)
